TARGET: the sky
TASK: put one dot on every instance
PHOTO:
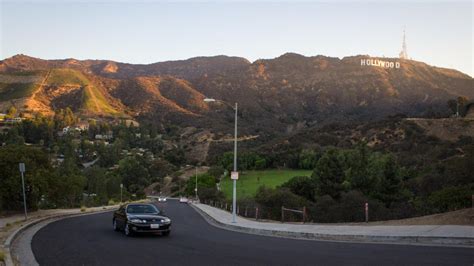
(438, 33)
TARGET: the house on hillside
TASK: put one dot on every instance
(12, 120)
(81, 126)
(108, 136)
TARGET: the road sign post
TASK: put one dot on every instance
(22, 171)
(234, 175)
(282, 214)
(366, 212)
(121, 188)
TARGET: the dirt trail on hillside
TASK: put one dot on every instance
(43, 82)
(94, 99)
(34, 103)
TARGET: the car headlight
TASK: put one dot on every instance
(137, 221)
(165, 220)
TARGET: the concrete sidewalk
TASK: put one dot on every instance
(446, 235)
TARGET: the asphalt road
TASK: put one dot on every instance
(90, 240)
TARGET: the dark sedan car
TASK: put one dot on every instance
(141, 218)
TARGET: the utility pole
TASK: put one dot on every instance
(22, 170)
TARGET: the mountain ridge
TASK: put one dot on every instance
(243, 60)
(281, 94)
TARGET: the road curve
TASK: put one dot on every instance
(90, 240)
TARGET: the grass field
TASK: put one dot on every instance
(95, 101)
(248, 182)
(67, 77)
(16, 90)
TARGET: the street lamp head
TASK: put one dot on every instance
(207, 100)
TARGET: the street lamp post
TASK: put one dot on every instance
(234, 190)
(234, 180)
(22, 170)
(196, 188)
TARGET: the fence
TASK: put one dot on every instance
(258, 212)
(302, 212)
(327, 212)
(283, 214)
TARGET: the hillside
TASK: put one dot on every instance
(44, 91)
(277, 96)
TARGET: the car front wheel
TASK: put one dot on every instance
(115, 225)
(127, 230)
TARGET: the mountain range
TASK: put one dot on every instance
(282, 95)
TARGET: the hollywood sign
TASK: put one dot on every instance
(379, 63)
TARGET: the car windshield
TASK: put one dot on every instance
(142, 209)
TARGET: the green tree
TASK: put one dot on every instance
(37, 176)
(96, 184)
(71, 182)
(135, 177)
(329, 174)
(11, 112)
(227, 161)
(216, 172)
(303, 186)
(204, 181)
(356, 174)
(384, 173)
(308, 159)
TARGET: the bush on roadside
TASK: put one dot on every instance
(273, 199)
(451, 198)
(210, 194)
(350, 208)
(83, 208)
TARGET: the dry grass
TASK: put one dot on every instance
(2, 256)
(459, 217)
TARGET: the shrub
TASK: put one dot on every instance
(111, 202)
(350, 208)
(83, 208)
(208, 194)
(322, 211)
(273, 199)
(451, 198)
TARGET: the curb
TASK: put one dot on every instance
(465, 242)
(12, 237)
